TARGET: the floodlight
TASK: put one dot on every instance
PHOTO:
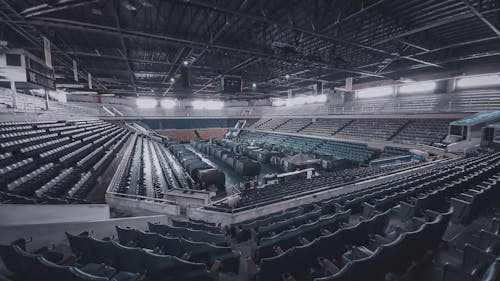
(168, 103)
(207, 104)
(376, 92)
(427, 86)
(146, 102)
(477, 81)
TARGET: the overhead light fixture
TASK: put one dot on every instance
(254, 85)
(96, 12)
(168, 103)
(376, 92)
(300, 100)
(129, 6)
(287, 76)
(318, 99)
(421, 87)
(146, 3)
(207, 104)
(146, 102)
(479, 81)
(172, 79)
(185, 63)
(279, 102)
(406, 80)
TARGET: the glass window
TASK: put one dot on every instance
(13, 59)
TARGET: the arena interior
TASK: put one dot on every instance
(250, 140)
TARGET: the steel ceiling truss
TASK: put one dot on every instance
(312, 40)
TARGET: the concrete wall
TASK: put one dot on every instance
(142, 207)
(18, 214)
(53, 233)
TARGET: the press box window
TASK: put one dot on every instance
(13, 59)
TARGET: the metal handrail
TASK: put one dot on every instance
(134, 196)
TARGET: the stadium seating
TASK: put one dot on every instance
(325, 127)
(278, 192)
(371, 129)
(308, 246)
(423, 131)
(410, 131)
(55, 162)
(294, 125)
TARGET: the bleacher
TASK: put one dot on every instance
(379, 231)
(423, 131)
(268, 124)
(294, 125)
(417, 104)
(36, 105)
(474, 101)
(325, 127)
(269, 194)
(371, 129)
(366, 232)
(357, 152)
(150, 170)
(408, 131)
(164, 253)
(55, 162)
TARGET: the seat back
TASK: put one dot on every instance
(475, 261)
(80, 245)
(126, 235)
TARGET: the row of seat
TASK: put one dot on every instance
(458, 176)
(252, 198)
(180, 247)
(354, 203)
(134, 259)
(192, 234)
(468, 205)
(55, 162)
(44, 264)
(411, 131)
(197, 226)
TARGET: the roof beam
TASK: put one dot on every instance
(75, 25)
(59, 6)
(447, 20)
(208, 5)
(481, 17)
(25, 29)
(122, 42)
(175, 68)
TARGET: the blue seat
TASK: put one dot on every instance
(272, 268)
(489, 242)
(475, 261)
(126, 235)
(81, 246)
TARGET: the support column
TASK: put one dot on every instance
(13, 92)
(289, 94)
(451, 85)
(46, 99)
